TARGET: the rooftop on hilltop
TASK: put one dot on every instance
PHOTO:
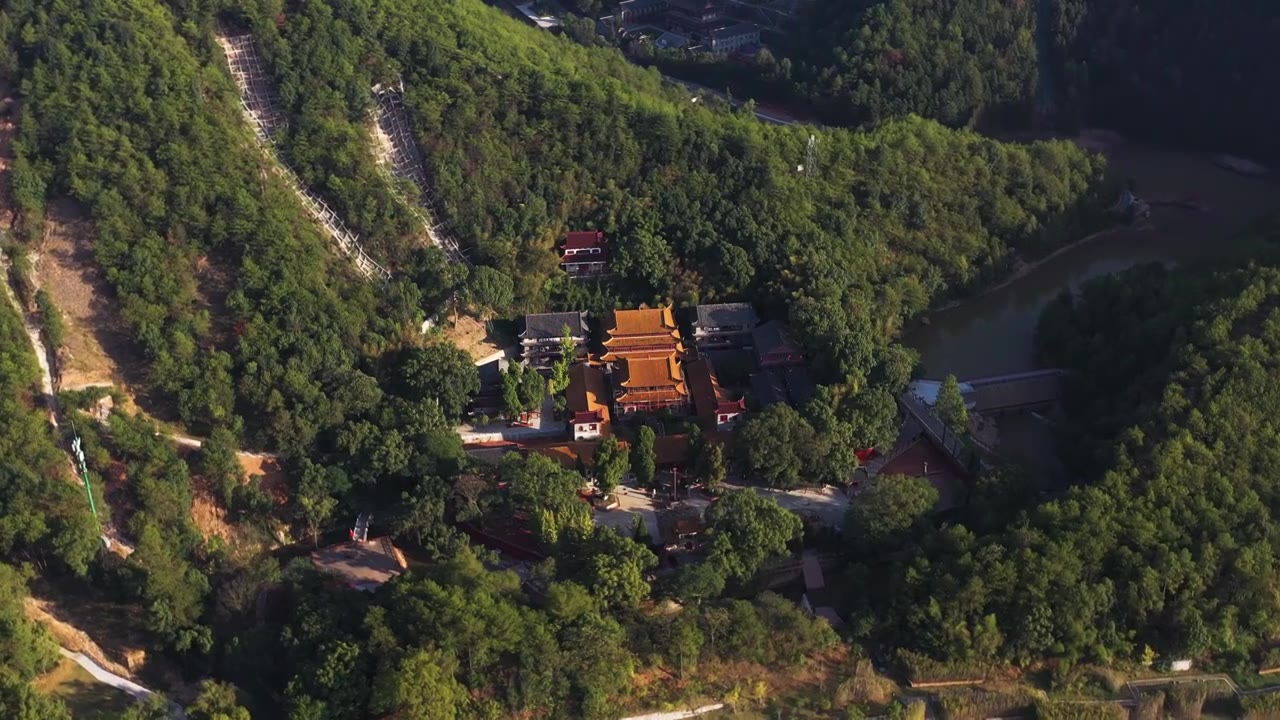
(734, 30)
(362, 565)
(772, 336)
(775, 346)
(582, 240)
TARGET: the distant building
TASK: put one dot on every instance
(791, 385)
(927, 391)
(734, 37)
(585, 254)
(576, 455)
(698, 16)
(491, 453)
(724, 326)
(712, 404)
(774, 346)
(587, 403)
(801, 386)
(631, 10)
(672, 451)
(768, 388)
(540, 341)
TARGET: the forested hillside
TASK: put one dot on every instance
(44, 522)
(1186, 72)
(44, 516)
(870, 60)
(253, 330)
(119, 113)
(26, 650)
(527, 135)
(1170, 543)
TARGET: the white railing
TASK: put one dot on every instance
(405, 163)
(261, 107)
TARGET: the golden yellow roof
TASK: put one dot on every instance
(585, 393)
(644, 321)
(654, 372)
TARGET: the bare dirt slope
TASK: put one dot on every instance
(76, 640)
(97, 350)
(471, 335)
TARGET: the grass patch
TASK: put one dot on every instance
(86, 698)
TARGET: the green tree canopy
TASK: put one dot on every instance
(612, 463)
(746, 530)
(643, 457)
(26, 649)
(950, 406)
(616, 567)
(775, 446)
(488, 292)
(888, 511)
(217, 701)
(421, 684)
(439, 372)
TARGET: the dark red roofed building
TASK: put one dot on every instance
(587, 402)
(585, 254)
(715, 407)
(775, 347)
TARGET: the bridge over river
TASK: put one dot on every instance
(994, 395)
(1015, 392)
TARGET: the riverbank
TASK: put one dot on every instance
(1027, 268)
(992, 332)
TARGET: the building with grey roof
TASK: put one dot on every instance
(543, 332)
(733, 37)
(724, 326)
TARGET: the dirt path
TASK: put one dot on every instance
(8, 109)
(33, 335)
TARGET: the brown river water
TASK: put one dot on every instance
(992, 334)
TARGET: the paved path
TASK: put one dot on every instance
(632, 502)
(678, 714)
(109, 678)
(1135, 685)
(825, 504)
(196, 443)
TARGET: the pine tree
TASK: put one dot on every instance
(644, 458)
(950, 407)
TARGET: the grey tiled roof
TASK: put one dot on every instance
(727, 315)
(551, 325)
